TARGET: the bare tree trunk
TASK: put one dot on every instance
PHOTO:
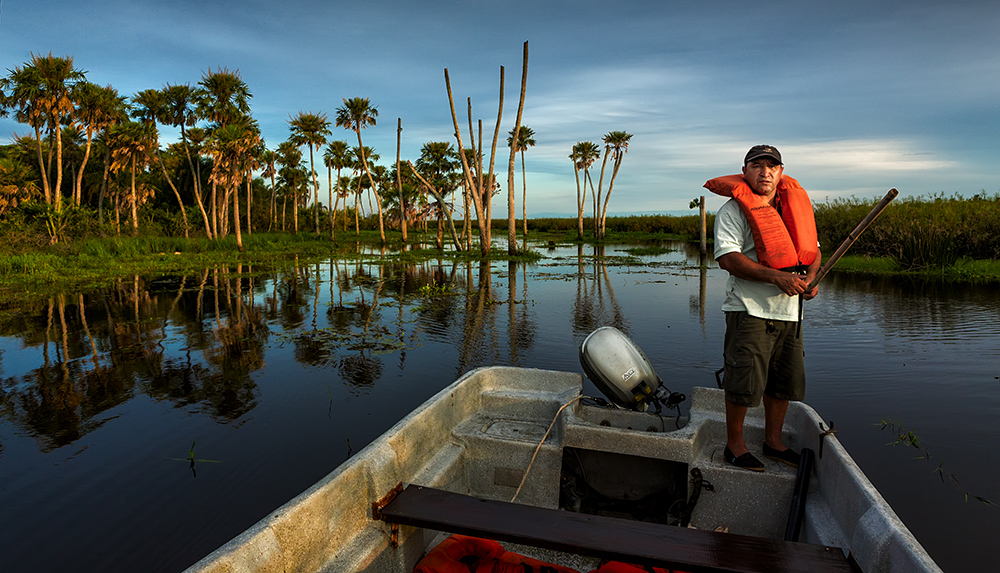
(598, 231)
(482, 208)
(511, 211)
(607, 198)
(399, 179)
(524, 196)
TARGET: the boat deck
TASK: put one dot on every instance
(477, 437)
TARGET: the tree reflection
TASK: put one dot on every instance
(196, 341)
(595, 304)
(101, 349)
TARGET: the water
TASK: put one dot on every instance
(269, 378)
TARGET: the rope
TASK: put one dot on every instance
(539, 447)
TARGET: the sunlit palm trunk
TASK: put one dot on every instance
(236, 217)
(215, 212)
(196, 176)
(329, 185)
(78, 194)
(378, 199)
(274, 211)
(249, 200)
(135, 213)
(580, 201)
(104, 187)
(312, 169)
(41, 167)
(59, 169)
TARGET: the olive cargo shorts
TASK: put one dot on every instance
(762, 357)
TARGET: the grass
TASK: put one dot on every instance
(951, 238)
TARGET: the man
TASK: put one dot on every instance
(765, 237)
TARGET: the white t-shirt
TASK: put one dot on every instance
(763, 300)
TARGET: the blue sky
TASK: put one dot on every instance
(858, 96)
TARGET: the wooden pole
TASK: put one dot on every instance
(852, 236)
(704, 238)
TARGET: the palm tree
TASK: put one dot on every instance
(311, 129)
(222, 98)
(439, 162)
(269, 158)
(179, 111)
(360, 158)
(336, 156)
(574, 156)
(357, 114)
(290, 158)
(40, 92)
(131, 144)
(150, 107)
(233, 148)
(58, 77)
(584, 154)
(97, 108)
(615, 143)
(256, 157)
(22, 92)
(525, 139)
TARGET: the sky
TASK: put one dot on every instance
(859, 97)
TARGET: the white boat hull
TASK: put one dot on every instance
(478, 435)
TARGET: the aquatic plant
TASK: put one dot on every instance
(908, 437)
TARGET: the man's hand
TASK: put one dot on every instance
(744, 267)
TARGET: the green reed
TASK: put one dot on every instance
(918, 233)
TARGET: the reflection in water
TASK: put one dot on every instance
(595, 303)
(141, 337)
(302, 365)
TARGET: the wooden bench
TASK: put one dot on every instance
(607, 538)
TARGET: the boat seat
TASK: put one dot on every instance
(603, 537)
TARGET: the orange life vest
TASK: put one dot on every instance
(782, 240)
(463, 554)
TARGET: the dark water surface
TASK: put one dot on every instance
(268, 380)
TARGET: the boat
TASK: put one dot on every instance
(525, 442)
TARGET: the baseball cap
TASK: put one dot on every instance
(758, 151)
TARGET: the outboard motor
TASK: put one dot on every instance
(622, 372)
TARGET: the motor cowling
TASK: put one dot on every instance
(621, 371)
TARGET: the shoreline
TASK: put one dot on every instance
(99, 262)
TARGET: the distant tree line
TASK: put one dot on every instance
(93, 164)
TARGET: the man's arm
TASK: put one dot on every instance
(742, 266)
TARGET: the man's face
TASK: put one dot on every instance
(763, 175)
